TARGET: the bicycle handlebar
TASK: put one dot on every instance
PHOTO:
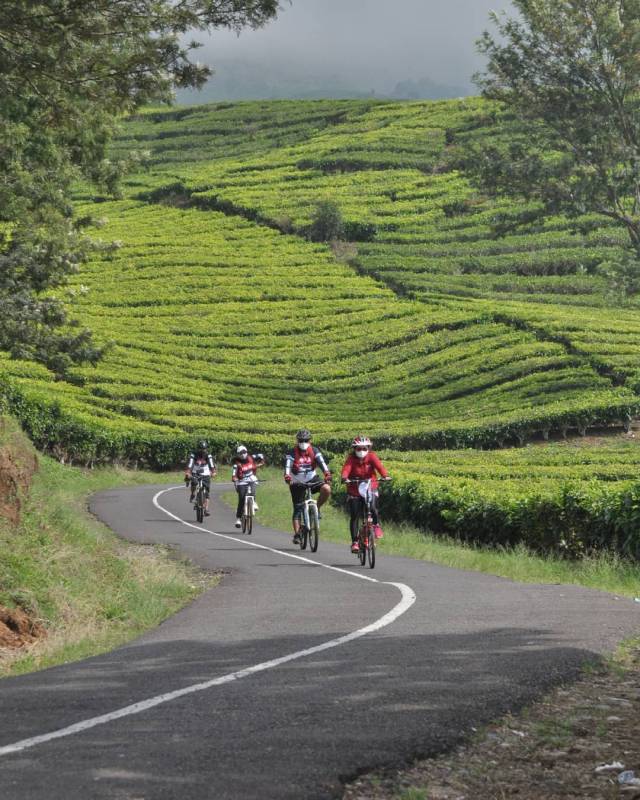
(364, 480)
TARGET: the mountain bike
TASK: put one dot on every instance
(248, 512)
(310, 523)
(366, 528)
(249, 508)
(200, 497)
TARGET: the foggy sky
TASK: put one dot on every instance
(370, 43)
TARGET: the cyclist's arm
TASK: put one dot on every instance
(346, 470)
(379, 466)
(320, 461)
(322, 464)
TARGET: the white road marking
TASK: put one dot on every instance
(407, 600)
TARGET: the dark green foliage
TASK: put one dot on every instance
(327, 223)
(570, 73)
(574, 519)
(68, 70)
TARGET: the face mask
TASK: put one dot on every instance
(361, 453)
(303, 446)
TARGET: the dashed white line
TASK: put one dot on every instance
(407, 600)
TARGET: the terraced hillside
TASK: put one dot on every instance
(572, 497)
(227, 322)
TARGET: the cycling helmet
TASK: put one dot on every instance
(361, 441)
(303, 435)
(241, 449)
(202, 446)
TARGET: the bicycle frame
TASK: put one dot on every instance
(309, 524)
(200, 496)
(308, 502)
(366, 533)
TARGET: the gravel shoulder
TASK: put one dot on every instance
(578, 743)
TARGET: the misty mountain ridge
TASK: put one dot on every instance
(242, 80)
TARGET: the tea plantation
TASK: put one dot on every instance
(424, 329)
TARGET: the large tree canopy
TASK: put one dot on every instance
(68, 71)
(570, 70)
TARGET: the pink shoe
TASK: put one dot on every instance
(355, 547)
(378, 532)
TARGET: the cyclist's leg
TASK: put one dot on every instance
(354, 504)
(374, 508)
(252, 489)
(241, 490)
(192, 486)
(297, 499)
(324, 494)
(207, 491)
(375, 515)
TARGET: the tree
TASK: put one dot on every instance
(570, 71)
(327, 223)
(68, 71)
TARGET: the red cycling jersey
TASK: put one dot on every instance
(363, 468)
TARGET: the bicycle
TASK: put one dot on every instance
(366, 528)
(310, 524)
(200, 498)
(249, 511)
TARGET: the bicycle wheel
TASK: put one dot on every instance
(249, 518)
(371, 549)
(362, 553)
(199, 506)
(244, 522)
(314, 529)
(304, 533)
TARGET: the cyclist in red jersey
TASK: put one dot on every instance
(300, 465)
(362, 464)
(244, 477)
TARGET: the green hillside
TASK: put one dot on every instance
(227, 322)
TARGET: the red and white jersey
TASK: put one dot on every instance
(302, 464)
(244, 472)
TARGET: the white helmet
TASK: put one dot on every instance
(361, 446)
(241, 450)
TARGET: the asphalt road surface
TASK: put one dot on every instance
(293, 675)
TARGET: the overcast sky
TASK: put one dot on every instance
(370, 43)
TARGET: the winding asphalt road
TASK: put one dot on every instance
(290, 676)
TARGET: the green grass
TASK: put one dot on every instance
(605, 572)
(90, 589)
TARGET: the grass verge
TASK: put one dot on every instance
(605, 572)
(91, 590)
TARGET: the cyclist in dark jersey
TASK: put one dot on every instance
(203, 463)
(244, 477)
(300, 466)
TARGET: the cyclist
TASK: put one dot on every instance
(300, 465)
(243, 475)
(201, 462)
(361, 465)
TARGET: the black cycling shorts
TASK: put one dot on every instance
(206, 480)
(299, 490)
